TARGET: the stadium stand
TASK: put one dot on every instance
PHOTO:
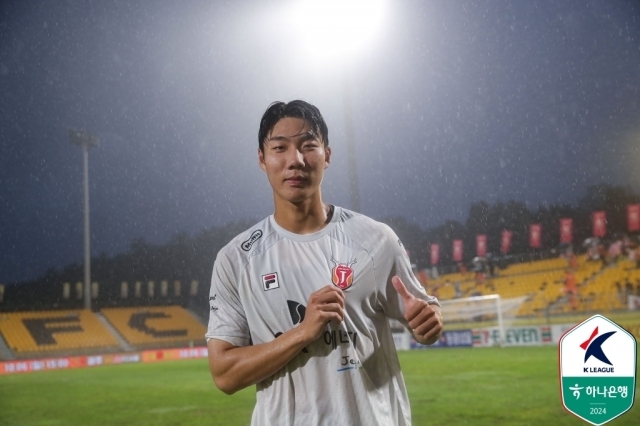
(537, 266)
(543, 282)
(49, 331)
(126, 322)
(607, 290)
(153, 325)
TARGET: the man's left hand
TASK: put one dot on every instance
(425, 320)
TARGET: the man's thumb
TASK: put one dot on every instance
(401, 289)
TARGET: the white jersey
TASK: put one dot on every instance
(351, 375)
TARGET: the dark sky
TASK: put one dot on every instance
(453, 102)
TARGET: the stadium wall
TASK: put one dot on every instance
(490, 336)
(473, 338)
(66, 363)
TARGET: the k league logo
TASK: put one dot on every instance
(593, 347)
(597, 362)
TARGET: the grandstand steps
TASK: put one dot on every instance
(472, 281)
(123, 343)
(558, 307)
(198, 318)
(5, 353)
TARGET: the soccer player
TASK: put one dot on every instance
(300, 302)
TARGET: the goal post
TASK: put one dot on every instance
(491, 312)
(481, 311)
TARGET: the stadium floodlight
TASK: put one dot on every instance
(85, 140)
(333, 28)
(332, 31)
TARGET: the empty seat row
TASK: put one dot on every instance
(140, 326)
(54, 330)
(49, 331)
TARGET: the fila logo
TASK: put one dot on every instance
(593, 347)
(270, 281)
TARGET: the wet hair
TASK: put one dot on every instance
(296, 109)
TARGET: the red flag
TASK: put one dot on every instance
(599, 224)
(481, 245)
(535, 234)
(566, 230)
(457, 250)
(435, 254)
(633, 217)
(506, 241)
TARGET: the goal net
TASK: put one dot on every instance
(480, 312)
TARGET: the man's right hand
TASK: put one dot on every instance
(324, 305)
(236, 367)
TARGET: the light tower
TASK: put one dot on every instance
(85, 140)
(333, 31)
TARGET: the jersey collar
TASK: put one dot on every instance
(337, 212)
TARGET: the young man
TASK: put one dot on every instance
(300, 302)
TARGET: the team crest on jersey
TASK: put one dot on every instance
(342, 274)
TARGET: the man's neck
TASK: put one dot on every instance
(306, 217)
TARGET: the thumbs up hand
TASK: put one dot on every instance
(425, 320)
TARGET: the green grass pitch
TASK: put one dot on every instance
(489, 386)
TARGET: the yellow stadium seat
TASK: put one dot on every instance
(54, 331)
(155, 324)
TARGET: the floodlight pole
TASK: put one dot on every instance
(85, 140)
(87, 240)
(351, 151)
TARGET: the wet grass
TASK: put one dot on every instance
(488, 386)
(166, 393)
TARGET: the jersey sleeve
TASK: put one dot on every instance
(227, 319)
(395, 261)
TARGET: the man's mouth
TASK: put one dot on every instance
(295, 180)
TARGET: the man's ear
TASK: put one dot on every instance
(327, 156)
(261, 160)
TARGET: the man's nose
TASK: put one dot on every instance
(295, 159)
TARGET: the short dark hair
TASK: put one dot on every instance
(297, 109)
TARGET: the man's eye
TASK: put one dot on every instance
(278, 148)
